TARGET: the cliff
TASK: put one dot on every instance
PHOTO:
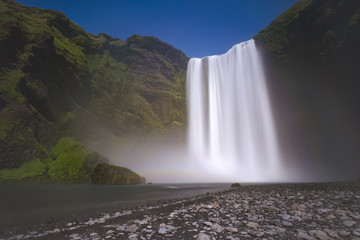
(56, 80)
(311, 54)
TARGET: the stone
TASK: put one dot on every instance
(217, 228)
(356, 216)
(324, 210)
(286, 223)
(203, 236)
(235, 185)
(330, 217)
(296, 207)
(132, 228)
(271, 209)
(162, 230)
(302, 235)
(286, 217)
(215, 220)
(75, 235)
(356, 232)
(132, 236)
(331, 233)
(170, 227)
(208, 223)
(253, 224)
(322, 235)
(349, 223)
(110, 232)
(344, 233)
(231, 229)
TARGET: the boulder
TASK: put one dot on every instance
(235, 185)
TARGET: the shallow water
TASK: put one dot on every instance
(23, 206)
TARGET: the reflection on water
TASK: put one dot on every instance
(25, 206)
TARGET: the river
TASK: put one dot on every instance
(25, 206)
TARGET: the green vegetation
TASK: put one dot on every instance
(59, 82)
(29, 170)
(68, 164)
(69, 161)
(276, 34)
(10, 81)
(4, 127)
(354, 19)
(67, 48)
(69, 156)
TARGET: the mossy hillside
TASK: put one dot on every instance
(276, 34)
(35, 169)
(70, 162)
(64, 163)
(58, 80)
(69, 157)
(9, 81)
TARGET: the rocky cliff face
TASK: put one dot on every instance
(58, 81)
(312, 58)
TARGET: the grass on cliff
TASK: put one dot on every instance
(4, 127)
(10, 81)
(33, 169)
(68, 164)
(69, 156)
(276, 34)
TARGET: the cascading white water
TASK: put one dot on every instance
(230, 126)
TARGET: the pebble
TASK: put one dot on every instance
(302, 235)
(217, 228)
(253, 224)
(231, 229)
(331, 233)
(250, 212)
(162, 230)
(356, 232)
(132, 228)
(286, 217)
(286, 223)
(321, 235)
(349, 223)
(203, 236)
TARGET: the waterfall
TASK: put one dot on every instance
(230, 124)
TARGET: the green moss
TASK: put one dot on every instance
(4, 127)
(11, 80)
(69, 159)
(3, 135)
(31, 169)
(354, 19)
(67, 117)
(276, 34)
(64, 46)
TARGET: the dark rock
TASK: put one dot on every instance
(108, 174)
(235, 185)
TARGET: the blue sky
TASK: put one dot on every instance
(197, 27)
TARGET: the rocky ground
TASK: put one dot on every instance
(281, 211)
